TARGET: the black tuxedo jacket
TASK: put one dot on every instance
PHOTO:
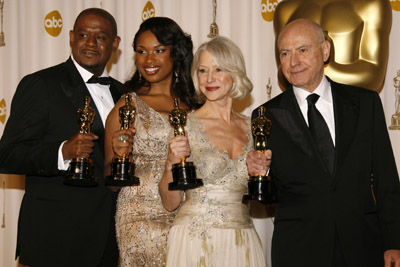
(58, 224)
(314, 207)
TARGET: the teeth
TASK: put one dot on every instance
(151, 69)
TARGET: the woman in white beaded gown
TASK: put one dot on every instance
(212, 227)
(163, 56)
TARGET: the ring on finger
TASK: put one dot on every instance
(122, 138)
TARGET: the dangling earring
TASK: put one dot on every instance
(176, 77)
(140, 77)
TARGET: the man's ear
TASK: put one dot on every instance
(116, 42)
(71, 37)
(326, 49)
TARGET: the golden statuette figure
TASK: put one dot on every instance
(85, 116)
(396, 116)
(177, 119)
(261, 187)
(123, 169)
(261, 127)
(214, 30)
(80, 172)
(184, 173)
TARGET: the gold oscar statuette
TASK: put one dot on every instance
(184, 173)
(214, 30)
(396, 116)
(261, 187)
(80, 171)
(123, 169)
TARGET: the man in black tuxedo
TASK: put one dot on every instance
(62, 225)
(332, 161)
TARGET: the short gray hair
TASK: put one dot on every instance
(229, 58)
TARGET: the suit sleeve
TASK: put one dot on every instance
(25, 147)
(386, 179)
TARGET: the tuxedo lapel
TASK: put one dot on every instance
(346, 108)
(290, 118)
(115, 91)
(76, 91)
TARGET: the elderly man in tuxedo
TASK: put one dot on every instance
(332, 161)
(63, 225)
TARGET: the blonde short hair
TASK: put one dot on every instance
(229, 58)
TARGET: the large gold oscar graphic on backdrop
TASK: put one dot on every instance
(358, 31)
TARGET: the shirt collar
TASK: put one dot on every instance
(323, 90)
(85, 74)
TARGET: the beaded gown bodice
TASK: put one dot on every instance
(217, 204)
(142, 222)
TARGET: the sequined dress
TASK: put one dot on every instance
(212, 227)
(142, 224)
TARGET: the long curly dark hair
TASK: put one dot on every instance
(169, 33)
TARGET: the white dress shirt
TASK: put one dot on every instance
(100, 93)
(324, 103)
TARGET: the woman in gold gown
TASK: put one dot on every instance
(212, 226)
(163, 56)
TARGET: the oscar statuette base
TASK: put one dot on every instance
(395, 122)
(80, 173)
(262, 189)
(122, 173)
(184, 175)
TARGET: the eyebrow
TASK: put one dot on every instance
(85, 29)
(156, 46)
(160, 45)
(303, 46)
(296, 48)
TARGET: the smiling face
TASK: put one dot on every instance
(214, 83)
(92, 42)
(302, 53)
(153, 59)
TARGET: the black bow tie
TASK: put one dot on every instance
(100, 80)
